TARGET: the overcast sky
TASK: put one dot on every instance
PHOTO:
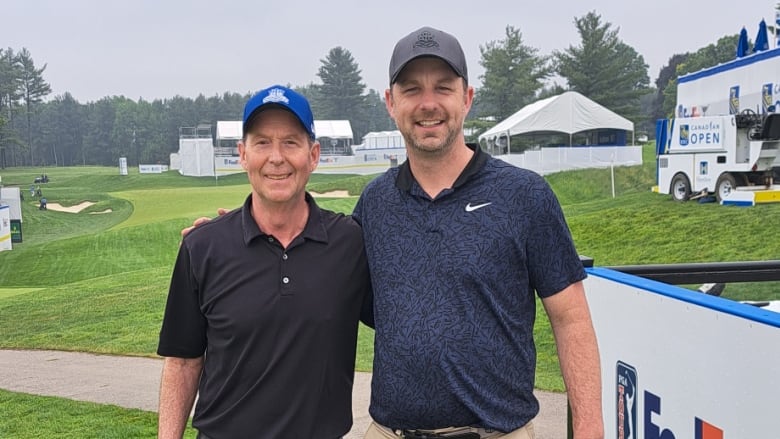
(159, 49)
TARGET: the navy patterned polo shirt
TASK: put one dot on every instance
(454, 280)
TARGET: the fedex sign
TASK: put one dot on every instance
(654, 426)
(702, 429)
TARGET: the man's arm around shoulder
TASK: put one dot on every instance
(178, 387)
(579, 357)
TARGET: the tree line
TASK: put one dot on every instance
(63, 132)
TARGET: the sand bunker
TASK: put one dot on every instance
(331, 194)
(79, 207)
(71, 209)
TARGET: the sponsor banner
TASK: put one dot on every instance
(734, 100)
(626, 390)
(226, 165)
(16, 231)
(152, 169)
(12, 197)
(748, 83)
(766, 97)
(5, 228)
(680, 364)
(704, 132)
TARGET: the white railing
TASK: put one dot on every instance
(544, 161)
(550, 160)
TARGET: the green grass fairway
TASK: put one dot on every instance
(36, 417)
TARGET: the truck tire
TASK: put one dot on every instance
(726, 183)
(680, 187)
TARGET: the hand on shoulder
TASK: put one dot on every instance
(202, 220)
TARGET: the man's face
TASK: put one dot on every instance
(429, 103)
(278, 156)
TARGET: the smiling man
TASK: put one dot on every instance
(460, 244)
(264, 301)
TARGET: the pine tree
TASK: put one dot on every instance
(603, 68)
(514, 74)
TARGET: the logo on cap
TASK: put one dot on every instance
(425, 39)
(276, 95)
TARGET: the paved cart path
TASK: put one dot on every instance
(133, 382)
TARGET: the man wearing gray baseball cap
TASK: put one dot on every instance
(428, 41)
(460, 244)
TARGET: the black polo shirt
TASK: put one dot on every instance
(278, 326)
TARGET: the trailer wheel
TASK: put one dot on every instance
(681, 188)
(726, 183)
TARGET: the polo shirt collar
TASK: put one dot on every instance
(405, 178)
(313, 230)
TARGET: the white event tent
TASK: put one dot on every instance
(568, 113)
(334, 129)
(338, 131)
(229, 129)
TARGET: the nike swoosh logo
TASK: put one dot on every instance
(470, 208)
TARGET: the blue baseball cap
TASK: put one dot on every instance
(281, 97)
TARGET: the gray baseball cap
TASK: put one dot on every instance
(428, 41)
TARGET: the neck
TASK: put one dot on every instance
(435, 173)
(283, 221)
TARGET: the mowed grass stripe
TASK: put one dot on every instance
(8, 292)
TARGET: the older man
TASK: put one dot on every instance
(264, 302)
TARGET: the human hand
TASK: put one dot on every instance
(202, 220)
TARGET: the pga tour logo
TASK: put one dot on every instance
(626, 401)
(627, 422)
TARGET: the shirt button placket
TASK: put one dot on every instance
(285, 278)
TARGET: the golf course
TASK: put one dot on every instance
(92, 272)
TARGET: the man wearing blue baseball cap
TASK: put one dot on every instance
(264, 302)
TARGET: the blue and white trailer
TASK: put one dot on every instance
(726, 136)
